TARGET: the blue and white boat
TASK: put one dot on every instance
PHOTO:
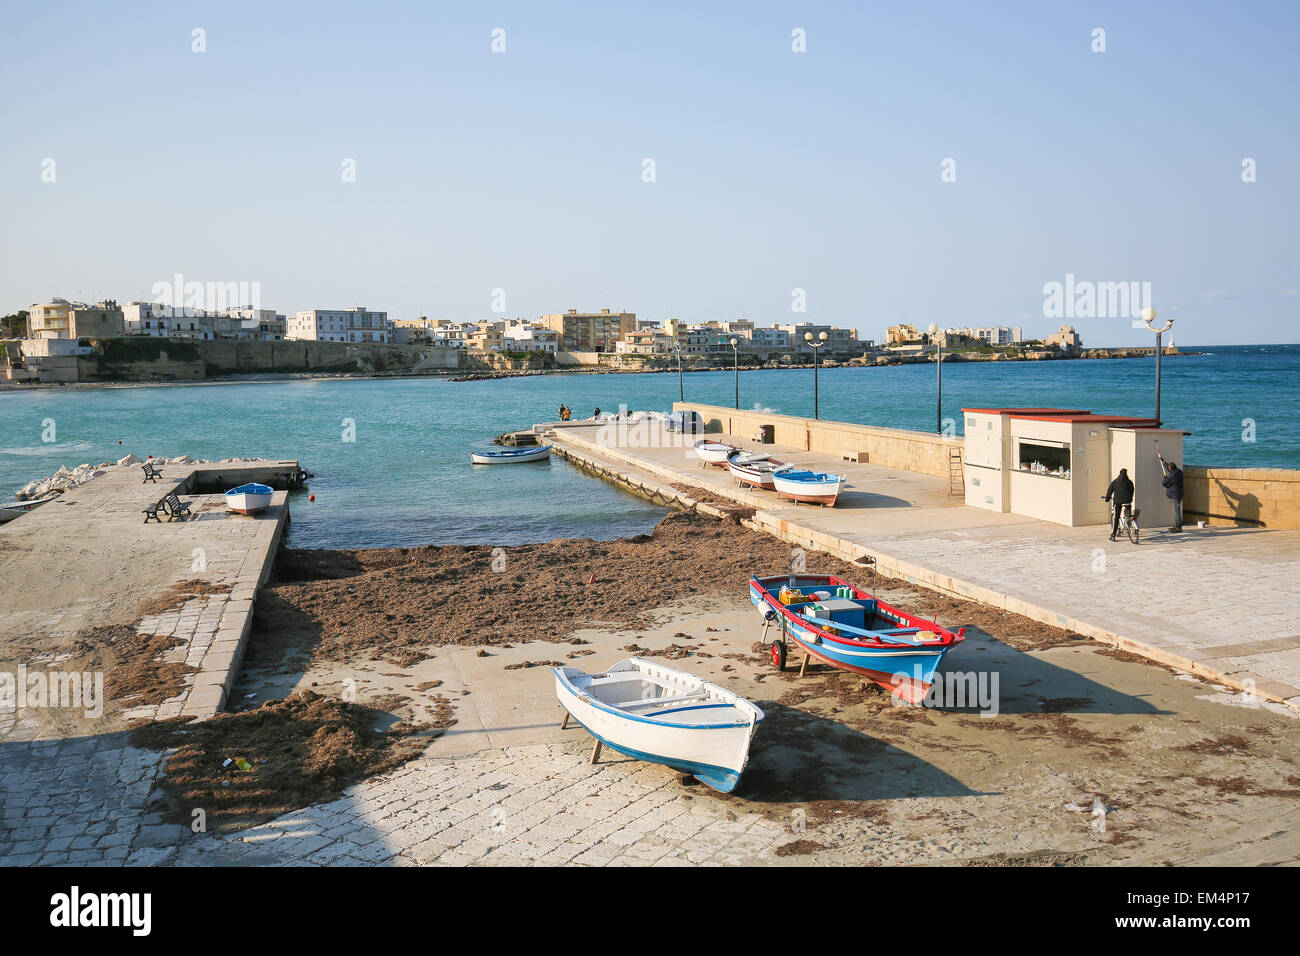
(510, 456)
(842, 625)
(248, 499)
(813, 486)
(650, 712)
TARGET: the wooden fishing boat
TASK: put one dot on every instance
(248, 499)
(754, 469)
(16, 509)
(816, 487)
(510, 456)
(714, 453)
(833, 621)
(654, 713)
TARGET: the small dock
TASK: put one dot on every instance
(89, 560)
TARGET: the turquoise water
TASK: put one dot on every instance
(406, 479)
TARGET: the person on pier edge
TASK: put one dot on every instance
(1122, 490)
(596, 413)
(1173, 483)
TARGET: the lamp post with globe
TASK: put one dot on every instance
(1149, 317)
(735, 351)
(934, 335)
(815, 345)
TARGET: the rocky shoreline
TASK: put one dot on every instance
(67, 478)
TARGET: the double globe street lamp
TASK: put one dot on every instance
(816, 344)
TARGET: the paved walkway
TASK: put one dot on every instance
(88, 559)
(1219, 602)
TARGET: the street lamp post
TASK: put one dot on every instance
(934, 334)
(735, 351)
(681, 385)
(1149, 317)
(816, 344)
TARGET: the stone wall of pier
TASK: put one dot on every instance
(921, 452)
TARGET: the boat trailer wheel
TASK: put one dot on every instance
(778, 654)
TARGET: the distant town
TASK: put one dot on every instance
(43, 343)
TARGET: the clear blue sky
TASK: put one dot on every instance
(774, 170)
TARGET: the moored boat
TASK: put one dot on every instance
(755, 470)
(815, 487)
(248, 499)
(835, 622)
(510, 456)
(714, 452)
(654, 713)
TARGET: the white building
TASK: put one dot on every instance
(356, 324)
(531, 338)
(992, 334)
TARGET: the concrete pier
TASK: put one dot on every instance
(1217, 602)
(88, 559)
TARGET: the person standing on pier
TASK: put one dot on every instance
(1173, 483)
(1121, 489)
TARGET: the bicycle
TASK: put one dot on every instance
(1128, 521)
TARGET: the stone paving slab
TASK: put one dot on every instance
(1185, 600)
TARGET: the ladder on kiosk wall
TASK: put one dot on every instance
(956, 476)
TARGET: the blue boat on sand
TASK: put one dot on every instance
(844, 626)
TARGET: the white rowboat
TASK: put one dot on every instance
(651, 712)
(812, 486)
(248, 499)
(755, 470)
(714, 452)
(510, 456)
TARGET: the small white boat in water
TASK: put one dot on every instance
(651, 712)
(714, 452)
(813, 486)
(248, 499)
(510, 456)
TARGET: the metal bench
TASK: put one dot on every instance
(175, 507)
(151, 512)
(150, 472)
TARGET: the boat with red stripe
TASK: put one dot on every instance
(836, 622)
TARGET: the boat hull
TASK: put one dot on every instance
(905, 670)
(715, 755)
(247, 502)
(755, 477)
(510, 457)
(715, 453)
(813, 492)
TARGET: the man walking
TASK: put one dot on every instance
(1174, 490)
(1121, 489)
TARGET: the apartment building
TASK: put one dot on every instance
(61, 319)
(590, 331)
(355, 324)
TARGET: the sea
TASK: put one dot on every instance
(391, 456)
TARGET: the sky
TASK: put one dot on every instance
(516, 179)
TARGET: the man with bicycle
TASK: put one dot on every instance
(1121, 489)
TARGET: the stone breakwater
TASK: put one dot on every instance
(67, 478)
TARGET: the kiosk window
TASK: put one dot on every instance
(1044, 459)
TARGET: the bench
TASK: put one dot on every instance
(151, 511)
(150, 472)
(175, 507)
